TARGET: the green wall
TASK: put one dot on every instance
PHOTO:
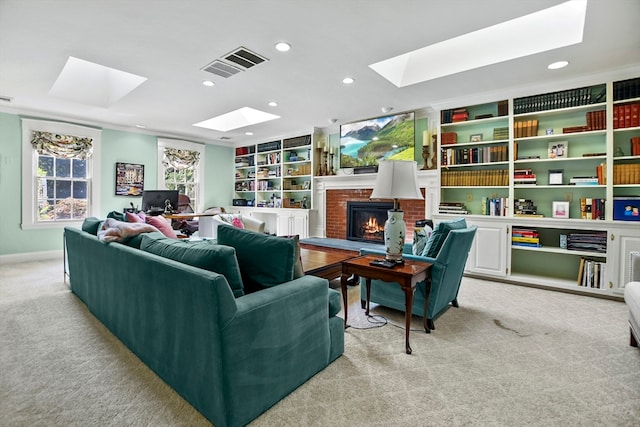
(117, 146)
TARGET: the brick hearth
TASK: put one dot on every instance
(336, 210)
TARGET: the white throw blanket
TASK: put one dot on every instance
(117, 231)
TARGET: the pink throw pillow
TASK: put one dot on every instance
(162, 224)
(236, 222)
(136, 217)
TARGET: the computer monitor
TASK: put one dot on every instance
(160, 200)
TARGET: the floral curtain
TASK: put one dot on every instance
(61, 146)
(181, 159)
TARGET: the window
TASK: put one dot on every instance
(181, 166)
(60, 167)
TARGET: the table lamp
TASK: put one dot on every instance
(397, 179)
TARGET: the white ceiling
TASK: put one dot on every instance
(169, 41)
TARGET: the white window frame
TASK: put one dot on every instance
(183, 145)
(30, 170)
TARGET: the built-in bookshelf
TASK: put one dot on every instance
(572, 158)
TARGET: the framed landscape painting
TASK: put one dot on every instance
(129, 179)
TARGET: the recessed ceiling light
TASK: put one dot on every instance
(559, 64)
(332, 121)
(386, 109)
(558, 26)
(283, 47)
(242, 117)
(273, 104)
(208, 83)
(348, 80)
(248, 133)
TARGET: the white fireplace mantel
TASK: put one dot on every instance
(429, 180)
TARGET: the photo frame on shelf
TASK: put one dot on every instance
(129, 179)
(558, 150)
(476, 137)
(306, 185)
(556, 176)
(560, 209)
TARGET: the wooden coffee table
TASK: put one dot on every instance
(407, 276)
(327, 265)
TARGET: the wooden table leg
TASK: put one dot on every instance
(408, 293)
(368, 285)
(427, 291)
(343, 287)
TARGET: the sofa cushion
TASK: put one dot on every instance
(298, 270)
(116, 215)
(264, 260)
(440, 234)
(202, 254)
(335, 302)
(91, 225)
(135, 217)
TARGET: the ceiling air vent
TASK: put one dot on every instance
(241, 59)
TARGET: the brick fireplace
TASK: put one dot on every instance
(336, 210)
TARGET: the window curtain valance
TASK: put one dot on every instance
(61, 146)
(181, 159)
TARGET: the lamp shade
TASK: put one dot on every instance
(397, 179)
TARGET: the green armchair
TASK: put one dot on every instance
(435, 294)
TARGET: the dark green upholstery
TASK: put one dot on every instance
(446, 275)
(231, 358)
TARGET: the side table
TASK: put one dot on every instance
(407, 276)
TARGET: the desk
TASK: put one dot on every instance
(407, 276)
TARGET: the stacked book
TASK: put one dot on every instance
(593, 241)
(498, 206)
(525, 128)
(583, 180)
(500, 133)
(591, 273)
(476, 178)
(555, 100)
(524, 176)
(597, 120)
(626, 89)
(626, 174)
(447, 138)
(525, 237)
(575, 129)
(460, 115)
(592, 208)
(456, 208)
(635, 146)
(525, 207)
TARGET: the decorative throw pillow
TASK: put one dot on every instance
(202, 254)
(440, 234)
(161, 224)
(116, 215)
(91, 225)
(135, 217)
(264, 260)
(298, 270)
(420, 237)
(237, 222)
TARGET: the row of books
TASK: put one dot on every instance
(596, 120)
(497, 206)
(447, 138)
(462, 156)
(626, 116)
(529, 237)
(270, 159)
(592, 241)
(478, 178)
(524, 207)
(524, 176)
(623, 174)
(268, 146)
(626, 89)
(454, 115)
(298, 141)
(453, 208)
(525, 128)
(635, 146)
(555, 100)
(500, 133)
(592, 208)
(591, 273)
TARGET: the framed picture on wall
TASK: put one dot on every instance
(129, 179)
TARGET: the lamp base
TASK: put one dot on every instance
(394, 235)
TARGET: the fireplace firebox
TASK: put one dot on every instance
(365, 221)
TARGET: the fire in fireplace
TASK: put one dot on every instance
(365, 221)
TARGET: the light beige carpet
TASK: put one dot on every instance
(509, 356)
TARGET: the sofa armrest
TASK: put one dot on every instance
(634, 266)
(253, 224)
(278, 339)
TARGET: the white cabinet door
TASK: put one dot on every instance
(293, 222)
(488, 255)
(621, 242)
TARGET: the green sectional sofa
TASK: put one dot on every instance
(232, 357)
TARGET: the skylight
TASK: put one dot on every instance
(93, 84)
(236, 119)
(547, 29)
